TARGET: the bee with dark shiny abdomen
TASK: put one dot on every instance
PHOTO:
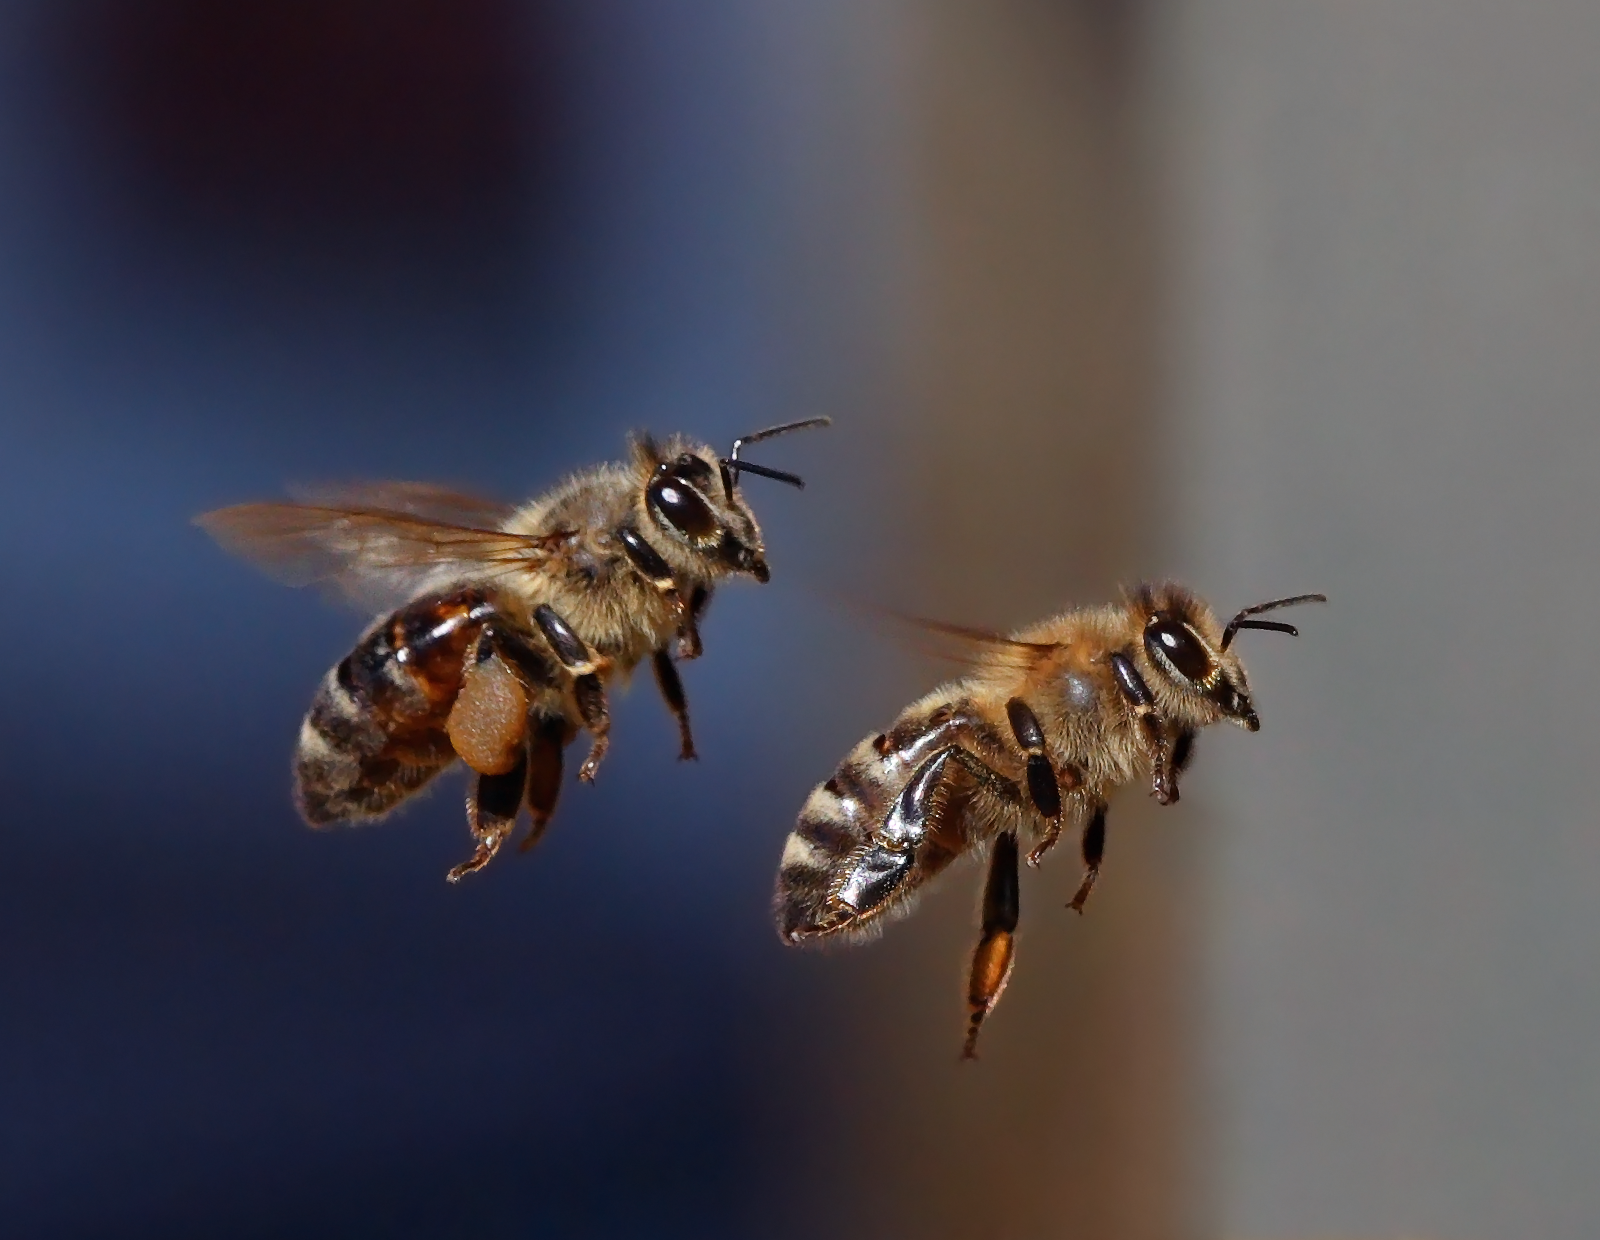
(512, 625)
(1052, 719)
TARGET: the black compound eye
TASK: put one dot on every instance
(677, 504)
(1171, 643)
(694, 471)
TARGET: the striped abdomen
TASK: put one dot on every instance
(890, 819)
(375, 732)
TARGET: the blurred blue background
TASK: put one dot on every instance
(247, 244)
(1267, 296)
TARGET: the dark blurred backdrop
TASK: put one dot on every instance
(476, 241)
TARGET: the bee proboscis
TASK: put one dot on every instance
(1052, 719)
(511, 622)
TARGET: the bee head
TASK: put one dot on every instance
(1189, 649)
(693, 497)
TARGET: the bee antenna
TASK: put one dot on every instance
(1242, 620)
(732, 466)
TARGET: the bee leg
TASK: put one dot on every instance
(1045, 784)
(546, 739)
(1072, 778)
(591, 695)
(689, 646)
(1182, 754)
(587, 688)
(672, 690)
(492, 813)
(654, 569)
(996, 950)
(1094, 848)
(1163, 779)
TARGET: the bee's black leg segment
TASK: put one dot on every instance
(1043, 789)
(1094, 848)
(1046, 785)
(647, 560)
(492, 813)
(591, 696)
(1181, 754)
(1070, 778)
(1163, 780)
(587, 687)
(571, 649)
(996, 950)
(1042, 786)
(672, 690)
(1182, 751)
(546, 739)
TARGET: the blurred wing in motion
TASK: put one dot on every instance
(971, 647)
(955, 643)
(415, 499)
(377, 555)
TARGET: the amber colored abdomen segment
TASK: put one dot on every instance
(375, 732)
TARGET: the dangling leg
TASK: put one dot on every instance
(492, 813)
(546, 739)
(996, 950)
(1046, 785)
(1163, 780)
(591, 696)
(654, 570)
(1094, 848)
(672, 690)
(1182, 755)
(587, 689)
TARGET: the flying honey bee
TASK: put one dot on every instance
(1052, 719)
(513, 622)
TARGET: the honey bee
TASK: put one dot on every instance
(512, 623)
(1052, 719)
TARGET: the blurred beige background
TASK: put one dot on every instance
(1278, 297)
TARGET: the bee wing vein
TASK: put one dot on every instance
(373, 556)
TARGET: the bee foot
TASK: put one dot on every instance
(476, 862)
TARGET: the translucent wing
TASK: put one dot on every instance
(971, 644)
(416, 499)
(958, 643)
(377, 555)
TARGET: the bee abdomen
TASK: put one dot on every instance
(846, 865)
(375, 732)
(834, 824)
(347, 766)
(832, 837)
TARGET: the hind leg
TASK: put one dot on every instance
(547, 737)
(492, 813)
(996, 950)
